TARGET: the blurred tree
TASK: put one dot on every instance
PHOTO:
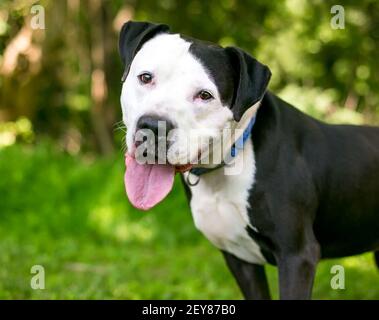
(99, 87)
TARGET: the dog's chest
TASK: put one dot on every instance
(219, 209)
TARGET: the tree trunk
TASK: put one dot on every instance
(99, 88)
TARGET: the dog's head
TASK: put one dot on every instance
(186, 85)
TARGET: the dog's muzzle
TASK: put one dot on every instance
(153, 131)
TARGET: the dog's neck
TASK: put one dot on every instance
(230, 145)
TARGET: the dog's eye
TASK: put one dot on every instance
(145, 77)
(205, 95)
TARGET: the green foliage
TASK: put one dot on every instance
(70, 214)
(13, 131)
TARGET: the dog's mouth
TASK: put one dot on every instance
(148, 184)
(183, 168)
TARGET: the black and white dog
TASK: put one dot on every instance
(307, 190)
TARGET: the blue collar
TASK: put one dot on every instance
(237, 146)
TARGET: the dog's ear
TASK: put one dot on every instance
(132, 36)
(251, 79)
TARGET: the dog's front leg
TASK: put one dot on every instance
(297, 271)
(251, 278)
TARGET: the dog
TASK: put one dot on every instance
(307, 190)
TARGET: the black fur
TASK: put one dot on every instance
(250, 277)
(326, 174)
(251, 79)
(241, 80)
(315, 196)
(215, 59)
(132, 36)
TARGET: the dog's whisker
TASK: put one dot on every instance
(124, 147)
(123, 129)
(118, 123)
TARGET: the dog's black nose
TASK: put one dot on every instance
(154, 123)
(157, 145)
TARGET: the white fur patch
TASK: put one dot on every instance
(219, 208)
(178, 77)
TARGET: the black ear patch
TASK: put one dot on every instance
(132, 36)
(240, 79)
(251, 79)
(215, 60)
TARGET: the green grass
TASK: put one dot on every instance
(71, 215)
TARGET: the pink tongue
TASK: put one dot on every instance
(147, 184)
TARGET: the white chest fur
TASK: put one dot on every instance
(219, 208)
